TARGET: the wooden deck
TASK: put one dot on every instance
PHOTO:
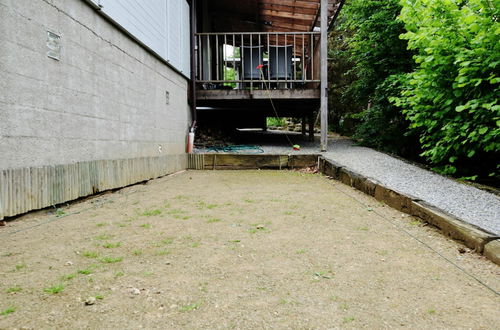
(275, 94)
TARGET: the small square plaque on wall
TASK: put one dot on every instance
(53, 46)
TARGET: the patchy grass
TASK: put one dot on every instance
(14, 289)
(101, 224)
(20, 266)
(90, 254)
(213, 220)
(162, 253)
(84, 271)
(151, 213)
(348, 319)
(68, 277)
(301, 251)
(112, 245)
(146, 225)
(137, 252)
(110, 260)
(167, 241)
(103, 237)
(190, 307)
(8, 310)
(55, 289)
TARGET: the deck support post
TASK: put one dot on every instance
(311, 127)
(324, 75)
(303, 122)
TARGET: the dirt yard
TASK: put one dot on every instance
(243, 250)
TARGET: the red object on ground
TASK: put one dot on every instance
(260, 66)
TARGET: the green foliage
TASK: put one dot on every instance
(275, 121)
(371, 62)
(451, 98)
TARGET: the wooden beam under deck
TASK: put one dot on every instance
(235, 94)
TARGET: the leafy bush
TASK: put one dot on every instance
(370, 62)
(452, 97)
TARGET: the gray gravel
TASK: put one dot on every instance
(467, 203)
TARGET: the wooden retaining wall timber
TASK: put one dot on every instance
(26, 189)
(215, 161)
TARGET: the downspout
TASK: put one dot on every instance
(190, 141)
(193, 66)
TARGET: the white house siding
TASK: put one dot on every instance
(162, 25)
(97, 118)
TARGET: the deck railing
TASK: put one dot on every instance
(256, 59)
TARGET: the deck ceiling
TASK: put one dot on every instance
(266, 15)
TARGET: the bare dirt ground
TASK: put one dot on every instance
(248, 249)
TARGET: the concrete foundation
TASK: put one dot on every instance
(107, 104)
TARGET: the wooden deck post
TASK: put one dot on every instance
(311, 127)
(324, 75)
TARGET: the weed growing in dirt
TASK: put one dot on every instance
(7, 254)
(119, 274)
(20, 266)
(203, 205)
(431, 311)
(8, 311)
(99, 297)
(68, 277)
(60, 212)
(326, 274)
(334, 298)
(363, 228)
(112, 245)
(162, 253)
(103, 237)
(212, 220)
(84, 271)
(146, 225)
(14, 289)
(301, 251)
(288, 213)
(90, 254)
(111, 260)
(168, 241)
(101, 224)
(344, 306)
(137, 252)
(195, 244)
(348, 319)
(54, 289)
(150, 213)
(181, 197)
(121, 225)
(190, 307)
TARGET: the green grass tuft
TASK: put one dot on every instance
(111, 260)
(14, 289)
(8, 311)
(54, 289)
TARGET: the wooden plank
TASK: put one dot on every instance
(313, 4)
(235, 94)
(289, 9)
(287, 15)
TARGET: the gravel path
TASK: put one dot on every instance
(468, 203)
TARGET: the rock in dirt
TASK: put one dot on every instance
(90, 301)
(3, 223)
(134, 291)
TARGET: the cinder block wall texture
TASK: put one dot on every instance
(98, 118)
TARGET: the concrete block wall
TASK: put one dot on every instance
(104, 100)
